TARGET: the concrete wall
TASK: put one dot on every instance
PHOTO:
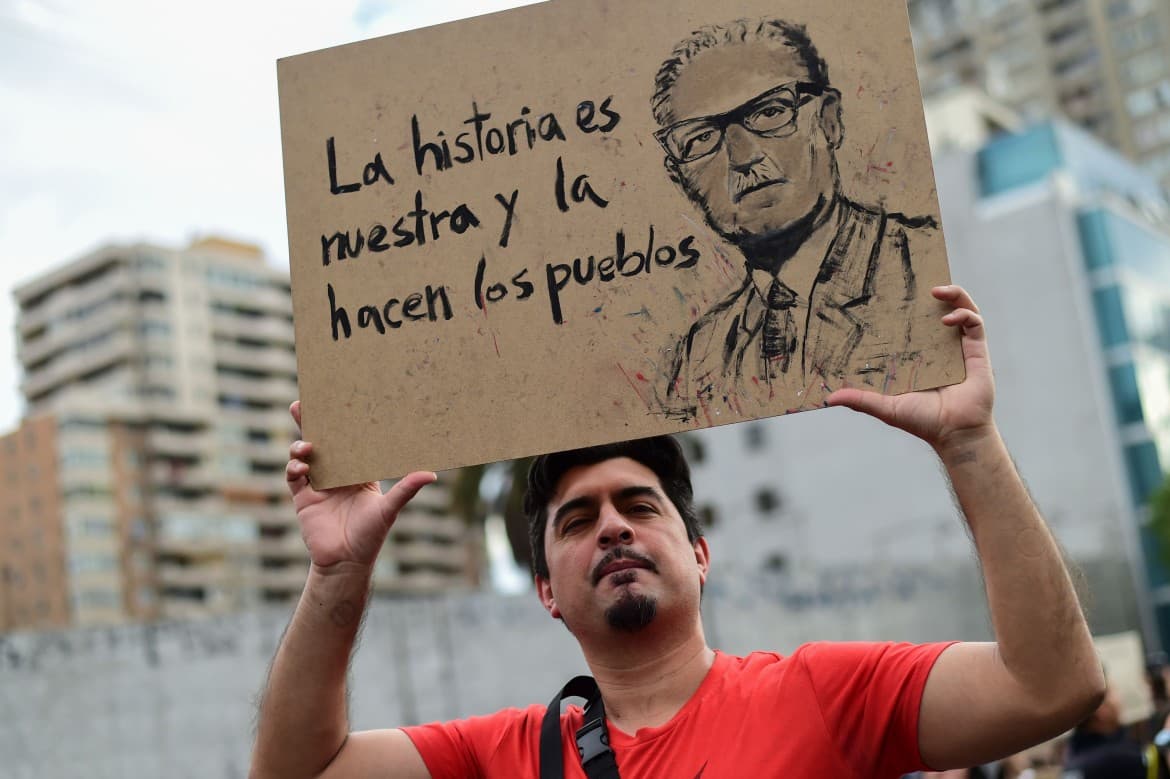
(176, 699)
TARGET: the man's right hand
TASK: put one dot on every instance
(344, 524)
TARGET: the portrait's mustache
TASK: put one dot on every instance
(621, 553)
(763, 173)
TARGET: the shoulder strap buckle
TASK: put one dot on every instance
(597, 758)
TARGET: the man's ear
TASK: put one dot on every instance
(830, 118)
(544, 591)
(702, 558)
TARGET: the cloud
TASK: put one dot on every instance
(136, 120)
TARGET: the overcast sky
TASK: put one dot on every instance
(126, 120)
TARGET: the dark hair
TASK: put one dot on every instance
(661, 454)
(789, 34)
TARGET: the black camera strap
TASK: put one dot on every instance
(592, 738)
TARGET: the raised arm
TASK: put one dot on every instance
(1042, 675)
(303, 728)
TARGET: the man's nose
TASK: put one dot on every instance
(613, 528)
(743, 150)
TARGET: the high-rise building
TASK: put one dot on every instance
(1065, 246)
(33, 579)
(166, 375)
(1104, 64)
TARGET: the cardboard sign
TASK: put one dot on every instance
(591, 220)
(1125, 669)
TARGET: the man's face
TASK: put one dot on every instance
(765, 176)
(617, 550)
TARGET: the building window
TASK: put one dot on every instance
(1144, 68)
(695, 449)
(767, 500)
(1110, 316)
(775, 562)
(1144, 469)
(754, 433)
(708, 516)
(1134, 36)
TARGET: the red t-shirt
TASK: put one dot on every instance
(828, 710)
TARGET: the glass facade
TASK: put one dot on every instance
(1127, 262)
(1012, 161)
(1127, 397)
(1133, 311)
(1110, 310)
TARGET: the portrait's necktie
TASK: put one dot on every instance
(779, 331)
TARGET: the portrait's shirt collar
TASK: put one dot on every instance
(802, 268)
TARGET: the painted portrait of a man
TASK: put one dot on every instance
(750, 126)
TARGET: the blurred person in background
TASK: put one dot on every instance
(1100, 747)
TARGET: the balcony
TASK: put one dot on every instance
(191, 477)
(291, 579)
(274, 359)
(209, 505)
(240, 488)
(283, 515)
(206, 549)
(170, 575)
(70, 367)
(291, 548)
(413, 523)
(64, 335)
(1064, 15)
(455, 558)
(269, 390)
(271, 453)
(68, 298)
(273, 329)
(421, 583)
(269, 419)
(193, 444)
(264, 298)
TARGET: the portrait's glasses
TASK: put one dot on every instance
(770, 115)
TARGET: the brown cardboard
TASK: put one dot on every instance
(1124, 660)
(493, 351)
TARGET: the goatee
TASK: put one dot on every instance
(631, 613)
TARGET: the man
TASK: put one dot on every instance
(1101, 749)
(750, 128)
(621, 562)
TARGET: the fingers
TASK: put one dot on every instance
(405, 489)
(297, 470)
(873, 403)
(956, 296)
(968, 320)
(295, 410)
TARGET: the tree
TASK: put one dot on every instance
(1160, 520)
(469, 502)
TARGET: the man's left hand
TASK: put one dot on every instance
(947, 415)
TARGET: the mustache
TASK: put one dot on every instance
(764, 172)
(621, 553)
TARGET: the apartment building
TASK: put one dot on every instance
(1103, 64)
(167, 374)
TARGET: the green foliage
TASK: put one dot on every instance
(1160, 520)
(466, 502)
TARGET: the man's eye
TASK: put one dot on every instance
(572, 525)
(643, 508)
